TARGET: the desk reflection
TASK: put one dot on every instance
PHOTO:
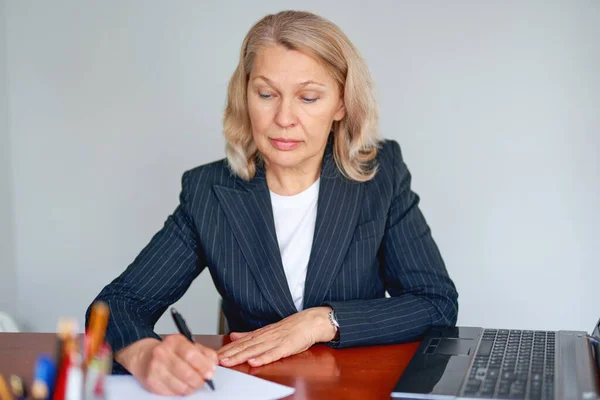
(317, 364)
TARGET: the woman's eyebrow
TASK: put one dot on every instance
(310, 82)
(264, 78)
(301, 84)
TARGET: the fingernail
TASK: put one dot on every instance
(252, 360)
(225, 359)
(209, 375)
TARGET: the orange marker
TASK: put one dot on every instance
(5, 392)
(96, 331)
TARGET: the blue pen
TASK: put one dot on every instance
(43, 378)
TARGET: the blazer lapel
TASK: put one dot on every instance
(337, 215)
(250, 216)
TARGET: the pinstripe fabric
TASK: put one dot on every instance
(369, 237)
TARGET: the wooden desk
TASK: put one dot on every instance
(318, 373)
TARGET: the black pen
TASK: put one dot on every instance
(183, 329)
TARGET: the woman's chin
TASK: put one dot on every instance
(285, 165)
(285, 160)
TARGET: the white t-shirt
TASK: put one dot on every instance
(295, 218)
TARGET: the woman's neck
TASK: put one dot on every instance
(291, 181)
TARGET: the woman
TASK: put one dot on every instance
(304, 227)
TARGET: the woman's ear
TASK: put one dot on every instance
(341, 112)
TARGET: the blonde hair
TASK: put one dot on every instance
(355, 138)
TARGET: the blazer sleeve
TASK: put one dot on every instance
(157, 278)
(422, 293)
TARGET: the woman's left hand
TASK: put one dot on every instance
(291, 335)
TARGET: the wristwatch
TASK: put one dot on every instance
(335, 324)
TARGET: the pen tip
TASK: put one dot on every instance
(211, 384)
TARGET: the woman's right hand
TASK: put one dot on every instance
(174, 366)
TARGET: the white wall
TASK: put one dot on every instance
(495, 106)
(7, 264)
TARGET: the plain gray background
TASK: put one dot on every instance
(8, 280)
(104, 104)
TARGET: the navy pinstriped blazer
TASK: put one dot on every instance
(369, 238)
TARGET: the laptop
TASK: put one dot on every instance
(468, 362)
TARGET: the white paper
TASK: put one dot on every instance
(229, 384)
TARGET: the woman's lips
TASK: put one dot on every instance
(285, 144)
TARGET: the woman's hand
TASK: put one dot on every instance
(287, 337)
(172, 367)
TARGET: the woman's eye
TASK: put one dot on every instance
(309, 100)
(265, 95)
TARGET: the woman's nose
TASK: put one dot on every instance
(286, 115)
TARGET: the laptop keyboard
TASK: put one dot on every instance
(513, 364)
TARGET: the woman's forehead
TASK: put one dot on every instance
(280, 65)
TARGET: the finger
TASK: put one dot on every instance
(197, 362)
(243, 336)
(238, 338)
(158, 387)
(184, 371)
(268, 357)
(193, 355)
(227, 347)
(174, 383)
(248, 353)
(160, 377)
(236, 347)
(209, 353)
(246, 339)
(238, 335)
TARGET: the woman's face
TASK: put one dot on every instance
(292, 102)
